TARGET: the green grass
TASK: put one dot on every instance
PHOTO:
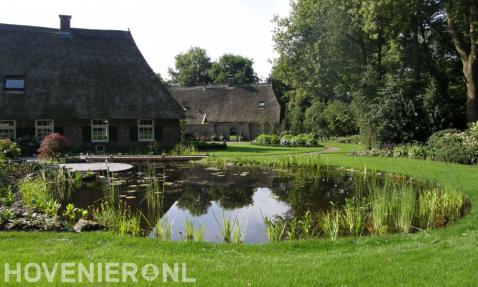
(442, 257)
(236, 149)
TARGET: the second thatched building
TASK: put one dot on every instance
(229, 111)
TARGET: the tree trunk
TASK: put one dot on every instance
(465, 42)
(470, 70)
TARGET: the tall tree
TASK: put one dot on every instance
(233, 66)
(462, 16)
(191, 68)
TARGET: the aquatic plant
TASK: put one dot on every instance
(352, 218)
(238, 235)
(199, 233)
(155, 189)
(226, 226)
(329, 224)
(120, 218)
(163, 229)
(72, 213)
(293, 233)
(35, 192)
(189, 229)
(403, 208)
(307, 227)
(274, 229)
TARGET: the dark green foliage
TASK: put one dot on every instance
(191, 68)
(9, 149)
(339, 119)
(353, 51)
(399, 116)
(232, 66)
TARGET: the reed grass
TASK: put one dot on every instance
(329, 224)
(163, 229)
(274, 230)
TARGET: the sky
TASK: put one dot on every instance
(164, 28)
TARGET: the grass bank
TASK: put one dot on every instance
(442, 257)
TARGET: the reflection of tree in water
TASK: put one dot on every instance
(313, 194)
(233, 196)
(196, 200)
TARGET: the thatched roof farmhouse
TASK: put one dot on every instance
(94, 86)
(229, 110)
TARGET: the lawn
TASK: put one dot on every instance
(241, 149)
(445, 257)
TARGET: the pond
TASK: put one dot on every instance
(257, 205)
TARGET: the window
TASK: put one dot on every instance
(14, 83)
(261, 105)
(145, 130)
(99, 131)
(7, 130)
(43, 128)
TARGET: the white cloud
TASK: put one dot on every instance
(163, 28)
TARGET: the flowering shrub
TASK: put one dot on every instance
(453, 146)
(301, 140)
(449, 145)
(52, 145)
(9, 149)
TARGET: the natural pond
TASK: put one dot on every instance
(255, 205)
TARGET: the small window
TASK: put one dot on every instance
(43, 128)
(14, 83)
(261, 105)
(99, 131)
(145, 130)
(8, 130)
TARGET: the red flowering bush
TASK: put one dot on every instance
(52, 145)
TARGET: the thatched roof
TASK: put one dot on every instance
(83, 74)
(254, 103)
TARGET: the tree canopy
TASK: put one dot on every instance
(233, 66)
(191, 68)
(194, 68)
(356, 51)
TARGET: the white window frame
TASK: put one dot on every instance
(261, 105)
(41, 135)
(104, 125)
(6, 125)
(146, 126)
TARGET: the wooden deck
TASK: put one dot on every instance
(140, 158)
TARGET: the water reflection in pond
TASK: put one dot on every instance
(245, 196)
(207, 195)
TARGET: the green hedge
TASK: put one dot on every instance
(300, 140)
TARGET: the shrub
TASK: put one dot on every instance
(206, 146)
(417, 152)
(399, 115)
(9, 149)
(28, 145)
(52, 145)
(300, 140)
(400, 151)
(453, 146)
(340, 119)
(265, 139)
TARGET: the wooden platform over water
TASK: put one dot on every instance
(140, 158)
